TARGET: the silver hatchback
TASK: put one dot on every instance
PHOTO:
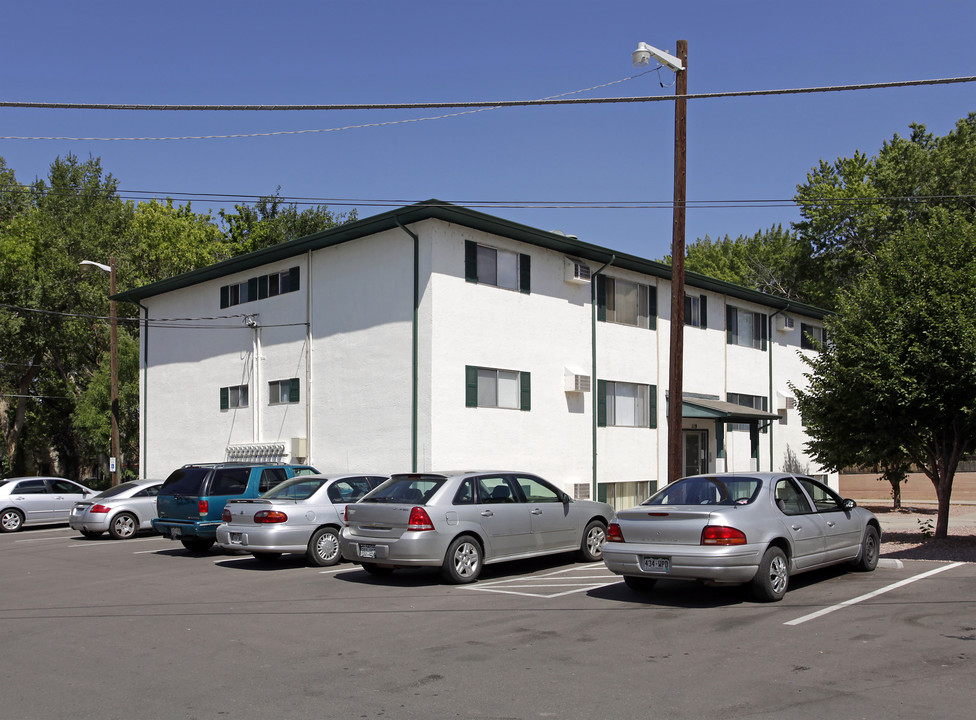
(461, 521)
(122, 510)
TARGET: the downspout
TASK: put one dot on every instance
(416, 344)
(308, 357)
(772, 398)
(144, 414)
(594, 385)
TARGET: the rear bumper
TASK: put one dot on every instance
(175, 529)
(270, 538)
(726, 564)
(411, 549)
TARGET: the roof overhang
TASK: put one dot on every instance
(720, 410)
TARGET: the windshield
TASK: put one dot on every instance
(406, 489)
(117, 490)
(298, 488)
(707, 491)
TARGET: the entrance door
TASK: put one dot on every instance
(694, 451)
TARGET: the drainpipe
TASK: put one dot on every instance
(772, 398)
(308, 357)
(416, 343)
(144, 415)
(594, 385)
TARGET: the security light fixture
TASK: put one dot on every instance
(644, 52)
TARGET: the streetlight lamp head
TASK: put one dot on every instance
(644, 52)
(89, 265)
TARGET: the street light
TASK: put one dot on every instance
(114, 460)
(642, 56)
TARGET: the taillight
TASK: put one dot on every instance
(270, 516)
(722, 535)
(203, 507)
(225, 515)
(614, 534)
(419, 520)
(99, 509)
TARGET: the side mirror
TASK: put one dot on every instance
(849, 504)
(567, 499)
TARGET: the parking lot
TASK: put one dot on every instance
(113, 629)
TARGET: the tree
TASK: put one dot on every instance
(898, 373)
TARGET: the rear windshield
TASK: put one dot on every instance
(185, 481)
(707, 491)
(298, 488)
(117, 490)
(408, 489)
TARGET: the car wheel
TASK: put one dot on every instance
(323, 547)
(640, 584)
(773, 577)
(91, 534)
(374, 569)
(266, 557)
(591, 548)
(123, 526)
(196, 544)
(462, 564)
(870, 551)
(11, 520)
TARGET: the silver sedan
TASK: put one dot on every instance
(461, 521)
(756, 528)
(301, 515)
(38, 500)
(122, 510)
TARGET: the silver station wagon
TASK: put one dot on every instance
(462, 521)
(301, 515)
(757, 528)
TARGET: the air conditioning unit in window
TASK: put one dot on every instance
(577, 383)
(785, 323)
(577, 272)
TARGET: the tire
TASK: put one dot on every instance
(197, 545)
(463, 561)
(11, 520)
(323, 547)
(91, 534)
(266, 557)
(374, 569)
(591, 546)
(123, 526)
(870, 550)
(640, 584)
(773, 576)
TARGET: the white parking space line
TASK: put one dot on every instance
(104, 543)
(868, 596)
(589, 580)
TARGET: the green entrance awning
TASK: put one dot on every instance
(720, 410)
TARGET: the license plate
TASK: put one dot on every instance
(367, 551)
(656, 564)
(175, 532)
(236, 538)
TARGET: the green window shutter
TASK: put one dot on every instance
(764, 329)
(262, 287)
(224, 398)
(652, 402)
(293, 390)
(471, 261)
(703, 311)
(525, 391)
(252, 289)
(224, 296)
(294, 280)
(525, 274)
(731, 325)
(601, 403)
(601, 298)
(470, 386)
(652, 307)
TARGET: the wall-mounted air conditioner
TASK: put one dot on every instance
(577, 272)
(577, 383)
(785, 323)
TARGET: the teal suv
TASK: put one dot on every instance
(190, 502)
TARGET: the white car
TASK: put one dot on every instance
(301, 515)
(38, 501)
(122, 510)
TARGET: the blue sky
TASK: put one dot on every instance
(342, 51)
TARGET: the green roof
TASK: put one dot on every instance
(458, 215)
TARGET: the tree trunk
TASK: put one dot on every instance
(895, 493)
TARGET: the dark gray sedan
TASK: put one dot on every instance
(462, 521)
(757, 528)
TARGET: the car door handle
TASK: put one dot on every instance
(535, 511)
(486, 513)
(830, 524)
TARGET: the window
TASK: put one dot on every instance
(696, 311)
(621, 404)
(812, 337)
(824, 499)
(488, 387)
(491, 266)
(626, 303)
(746, 328)
(229, 481)
(756, 402)
(789, 499)
(537, 491)
(283, 391)
(234, 396)
(260, 287)
(270, 478)
(31, 487)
